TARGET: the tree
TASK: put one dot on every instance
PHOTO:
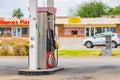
(110, 11)
(116, 10)
(17, 13)
(92, 9)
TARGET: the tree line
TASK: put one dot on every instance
(86, 9)
(94, 9)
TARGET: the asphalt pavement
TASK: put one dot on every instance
(76, 68)
(76, 44)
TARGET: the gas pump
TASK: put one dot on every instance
(43, 57)
(48, 57)
(107, 50)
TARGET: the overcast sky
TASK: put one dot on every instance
(63, 6)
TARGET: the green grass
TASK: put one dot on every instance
(77, 53)
(116, 52)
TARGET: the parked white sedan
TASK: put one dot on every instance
(99, 40)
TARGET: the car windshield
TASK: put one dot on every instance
(99, 35)
(102, 35)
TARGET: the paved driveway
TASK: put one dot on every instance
(75, 44)
(71, 43)
(82, 68)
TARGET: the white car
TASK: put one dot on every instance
(99, 40)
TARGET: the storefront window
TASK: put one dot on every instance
(8, 31)
(103, 30)
(106, 29)
(74, 32)
(113, 29)
(16, 32)
(92, 31)
(67, 31)
(98, 30)
(2, 31)
(25, 31)
(87, 32)
(81, 31)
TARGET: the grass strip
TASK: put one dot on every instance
(78, 53)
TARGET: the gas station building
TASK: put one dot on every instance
(65, 27)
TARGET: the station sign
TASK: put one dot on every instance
(13, 21)
(74, 20)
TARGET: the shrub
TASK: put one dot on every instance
(4, 50)
(15, 45)
(24, 52)
(16, 41)
(18, 50)
(27, 50)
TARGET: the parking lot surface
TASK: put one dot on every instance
(76, 44)
(76, 68)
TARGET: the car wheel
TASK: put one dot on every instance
(89, 44)
(114, 44)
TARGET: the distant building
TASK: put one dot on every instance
(65, 26)
(86, 27)
(14, 27)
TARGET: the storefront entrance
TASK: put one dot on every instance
(16, 32)
(90, 32)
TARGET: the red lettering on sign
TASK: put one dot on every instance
(22, 21)
(16, 22)
(1, 21)
(19, 21)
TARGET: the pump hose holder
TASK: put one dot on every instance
(52, 51)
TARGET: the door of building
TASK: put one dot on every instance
(16, 32)
(90, 32)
